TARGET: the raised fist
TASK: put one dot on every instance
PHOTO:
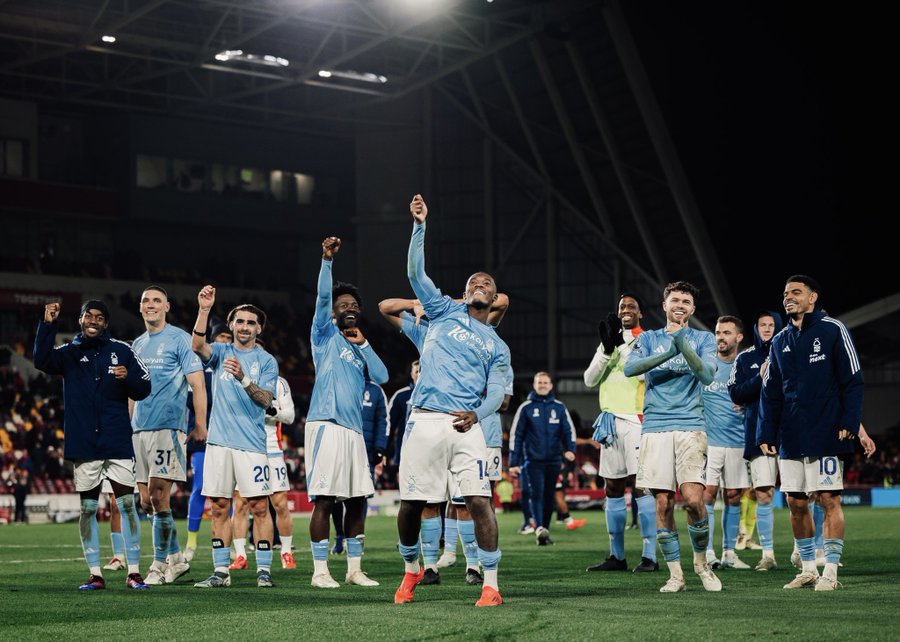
(330, 247)
(207, 298)
(418, 209)
(51, 312)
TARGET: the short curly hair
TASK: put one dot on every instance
(346, 288)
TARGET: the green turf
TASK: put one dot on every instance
(548, 595)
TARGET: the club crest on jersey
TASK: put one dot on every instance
(553, 418)
(160, 349)
(254, 370)
(367, 399)
(114, 359)
(537, 412)
(350, 357)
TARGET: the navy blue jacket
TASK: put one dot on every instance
(398, 412)
(745, 384)
(374, 420)
(541, 431)
(813, 389)
(97, 425)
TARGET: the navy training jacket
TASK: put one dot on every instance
(97, 425)
(541, 432)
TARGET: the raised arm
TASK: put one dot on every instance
(206, 299)
(498, 309)
(393, 309)
(46, 358)
(324, 314)
(423, 287)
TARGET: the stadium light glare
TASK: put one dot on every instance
(349, 74)
(109, 39)
(240, 55)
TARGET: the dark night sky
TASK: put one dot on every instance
(780, 117)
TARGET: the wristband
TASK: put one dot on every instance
(245, 382)
(364, 344)
(200, 334)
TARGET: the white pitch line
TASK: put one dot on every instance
(41, 546)
(61, 559)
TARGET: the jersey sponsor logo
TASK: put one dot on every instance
(813, 358)
(716, 386)
(483, 349)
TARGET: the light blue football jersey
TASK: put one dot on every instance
(461, 357)
(340, 365)
(492, 426)
(236, 421)
(673, 398)
(724, 424)
(169, 358)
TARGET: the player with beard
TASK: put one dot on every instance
(337, 465)
(244, 378)
(725, 465)
(676, 361)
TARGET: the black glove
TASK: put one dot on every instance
(610, 332)
(271, 411)
(376, 457)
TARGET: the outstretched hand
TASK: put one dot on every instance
(330, 247)
(418, 209)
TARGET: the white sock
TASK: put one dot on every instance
(320, 566)
(95, 570)
(240, 546)
(675, 568)
(728, 555)
(134, 568)
(830, 571)
(353, 564)
(699, 559)
(286, 541)
(810, 567)
(490, 578)
(413, 567)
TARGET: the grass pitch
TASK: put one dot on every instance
(546, 590)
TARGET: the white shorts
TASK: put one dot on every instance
(225, 469)
(621, 459)
(726, 467)
(160, 453)
(763, 471)
(811, 474)
(90, 474)
(454, 495)
(278, 473)
(431, 447)
(495, 464)
(670, 459)
(336, 462)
